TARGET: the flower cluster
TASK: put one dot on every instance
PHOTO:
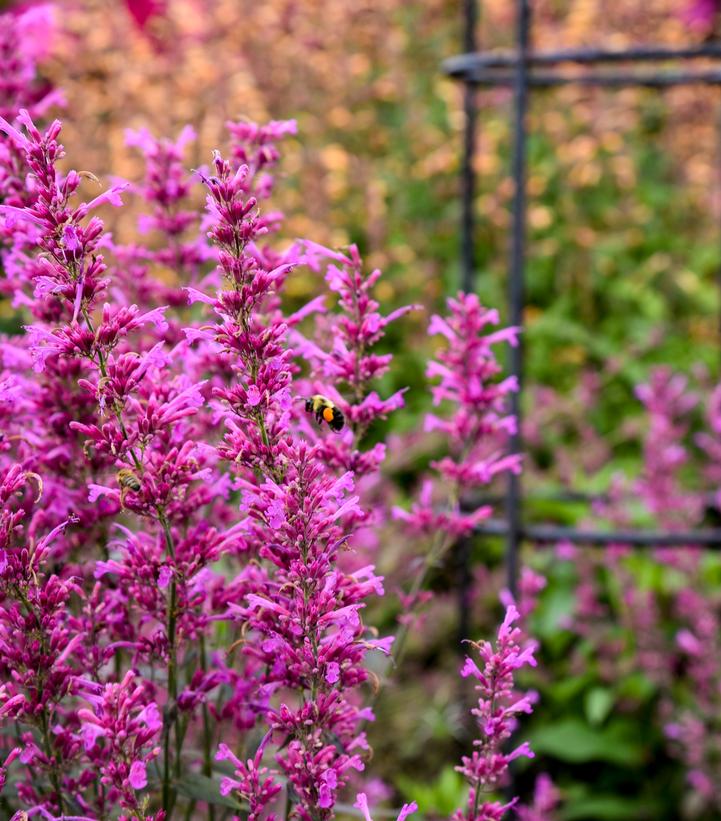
(478, 427)
(498, 706)
(301, 617)
(25, 39)
(668, 403)
(546, 798)
(118, 730)
(182, 570)
(157, 274)
(40, 646)
(312, 637)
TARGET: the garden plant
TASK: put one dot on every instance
(237, 488)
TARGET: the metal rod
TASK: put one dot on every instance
(468, 173)
(472, 60)
(548, 79)
(576, 496)
(718, 205)
(462, 551)
(468, 276)
(632, 538)
(516, 289)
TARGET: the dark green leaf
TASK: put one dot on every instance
(573, 741)
(605, 808)
(202, 788)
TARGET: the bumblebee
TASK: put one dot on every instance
(127, 481)
(325, 410)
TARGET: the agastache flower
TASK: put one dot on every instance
(72, 266)
(259, 400)
(119, 730)
(24, 40)
(255, 148)
(341, 357)
(183, 485)
(308, 615)
(546, 798)
(166, 187)
(478, 427)
(38, 645)
(141, 435)
(668, 402)
(302, 615)
(498, 706)
(361, 803)
(475, 428)
(252, 781)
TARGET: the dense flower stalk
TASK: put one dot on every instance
(477, 427)
(174, 256)
(668, 402)
(303, 614)
(24, 40)
(498, 706)
(39, 649)
(140, 435)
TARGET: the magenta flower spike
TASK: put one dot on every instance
(498, 707)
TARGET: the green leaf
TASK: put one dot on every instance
(605, 808)
(636, 686)
(556, 605)
(598, 703)
(441, 796)
(566, 689)
(573, 741)
(202, 788)
(378, 812)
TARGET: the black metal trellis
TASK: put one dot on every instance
(523, 70)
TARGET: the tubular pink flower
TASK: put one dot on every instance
(495, 714)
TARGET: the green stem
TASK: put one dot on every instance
(207, 734)
(438, 549)
(54, 778)
(116, 409)
(47, 741)
(476, 798)
(263, 430)
(170, 713)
